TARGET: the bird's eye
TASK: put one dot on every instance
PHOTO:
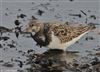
(31, 25)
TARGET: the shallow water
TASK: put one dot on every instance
(53, 10)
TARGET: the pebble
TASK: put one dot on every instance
(22, 16)
(17, 23)
(19, 9)
(89, 38)
(71, 0)
(8, 64)
(40, 12)
(11, 45)
(4, 38)
(1, 46)
(93, 16)
(20, 63)
(1, 61)
(31, 50)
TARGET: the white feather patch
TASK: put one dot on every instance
(56, 43)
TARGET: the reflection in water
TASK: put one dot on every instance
(67, 56)
(52, 60)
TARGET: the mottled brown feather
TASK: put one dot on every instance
(66, 32)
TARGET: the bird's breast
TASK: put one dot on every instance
(56, 43)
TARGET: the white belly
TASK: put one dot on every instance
(56, 44)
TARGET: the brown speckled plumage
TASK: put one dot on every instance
(66, 32)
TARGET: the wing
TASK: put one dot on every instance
(66, 32)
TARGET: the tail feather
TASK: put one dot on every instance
(91, 26)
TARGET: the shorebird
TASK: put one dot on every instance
(56, 35)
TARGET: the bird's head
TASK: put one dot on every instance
(33, 26)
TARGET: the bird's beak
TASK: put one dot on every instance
(27, 30)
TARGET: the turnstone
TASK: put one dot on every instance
(56, 35)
